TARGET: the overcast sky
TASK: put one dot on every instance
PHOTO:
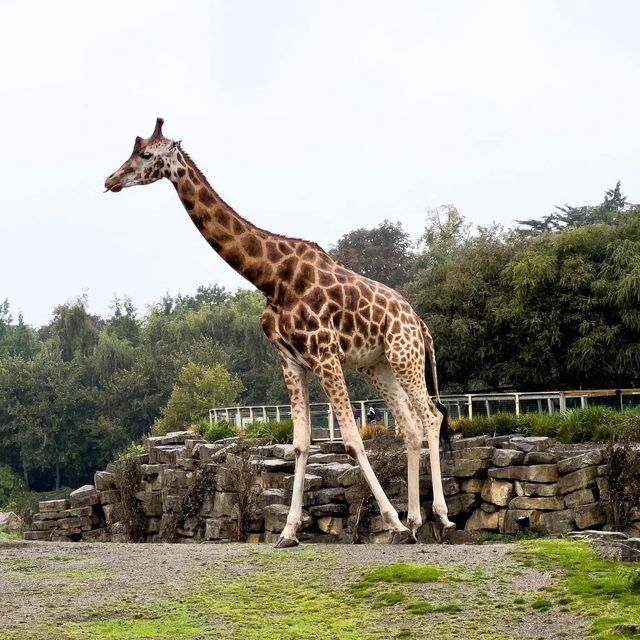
(310, 118)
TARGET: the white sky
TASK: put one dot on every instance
(311, 118)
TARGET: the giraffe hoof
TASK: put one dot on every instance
(286, 543)
(443, 532)
(403, 537)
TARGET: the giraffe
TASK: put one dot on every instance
(321, 318)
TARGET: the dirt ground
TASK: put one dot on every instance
(59, 583)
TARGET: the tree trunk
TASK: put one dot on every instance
(57, 475)
(25, 475)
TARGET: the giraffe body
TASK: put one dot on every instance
(321, 318)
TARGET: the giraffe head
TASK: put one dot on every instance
(150, 160)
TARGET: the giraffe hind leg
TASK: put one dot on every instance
(408, 367)
(397, 400)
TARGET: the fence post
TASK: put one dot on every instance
(469, 407)
(563, 402)
(331, 424)
(517, 399)
(619, 406)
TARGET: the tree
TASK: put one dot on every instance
(454, 297)
(43, 420)
(383, 253)
(446, 230)
(75, 330)
(124, 322)
(569, 217)
(198, 389)
(16, 339)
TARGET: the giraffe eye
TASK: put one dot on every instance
(145, 155)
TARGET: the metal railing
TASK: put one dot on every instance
(324, 425)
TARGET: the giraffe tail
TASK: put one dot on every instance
(445, 429)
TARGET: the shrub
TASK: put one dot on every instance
(219, 430)
(128, 478)
(190, 504)
(373, 430)
(476, 427)
(537, 424)
(277, 432)
(623, 478)
(10, 485)
(594, 424)
(25, 503)
(503, 424)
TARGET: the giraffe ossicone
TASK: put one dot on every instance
(321, 318)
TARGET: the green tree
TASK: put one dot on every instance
(75, 330)
(198, 389)
(569, 217)
(445, 231)
(383, 253)
(16, 339)
(124, 322)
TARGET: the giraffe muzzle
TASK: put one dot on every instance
(112, 184)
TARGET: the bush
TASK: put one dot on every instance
(623, 477)
(372, 430)
(128, 478)
(537, 424)
(25, 503)
(594, 424)
(277, 432)
(10, 485)
(219, 431)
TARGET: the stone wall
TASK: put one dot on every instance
(190, 490)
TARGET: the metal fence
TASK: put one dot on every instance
(324, 425)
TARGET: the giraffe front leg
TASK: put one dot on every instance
(296, 381)
(414, 517)
(332, 380)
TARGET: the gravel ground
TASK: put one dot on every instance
(40, 581)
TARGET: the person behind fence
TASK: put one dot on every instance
(356, 413)
(372, 416)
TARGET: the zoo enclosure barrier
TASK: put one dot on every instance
(324, 425)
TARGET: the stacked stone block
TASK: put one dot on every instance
(489, 483)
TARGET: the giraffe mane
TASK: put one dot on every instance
(201, 175)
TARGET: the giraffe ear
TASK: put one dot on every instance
(157, 132)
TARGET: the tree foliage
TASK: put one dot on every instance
(554, 303)
(199, 388)
(382, 253)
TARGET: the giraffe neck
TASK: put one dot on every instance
(238, 242)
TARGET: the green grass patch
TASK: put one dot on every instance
(167, 621)
(542, 604)
(78, 574)
(70, 558)
(609, 592)
(6, 536)
(423, 608)
(390, 599)
(399, 573)
(530, 533)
